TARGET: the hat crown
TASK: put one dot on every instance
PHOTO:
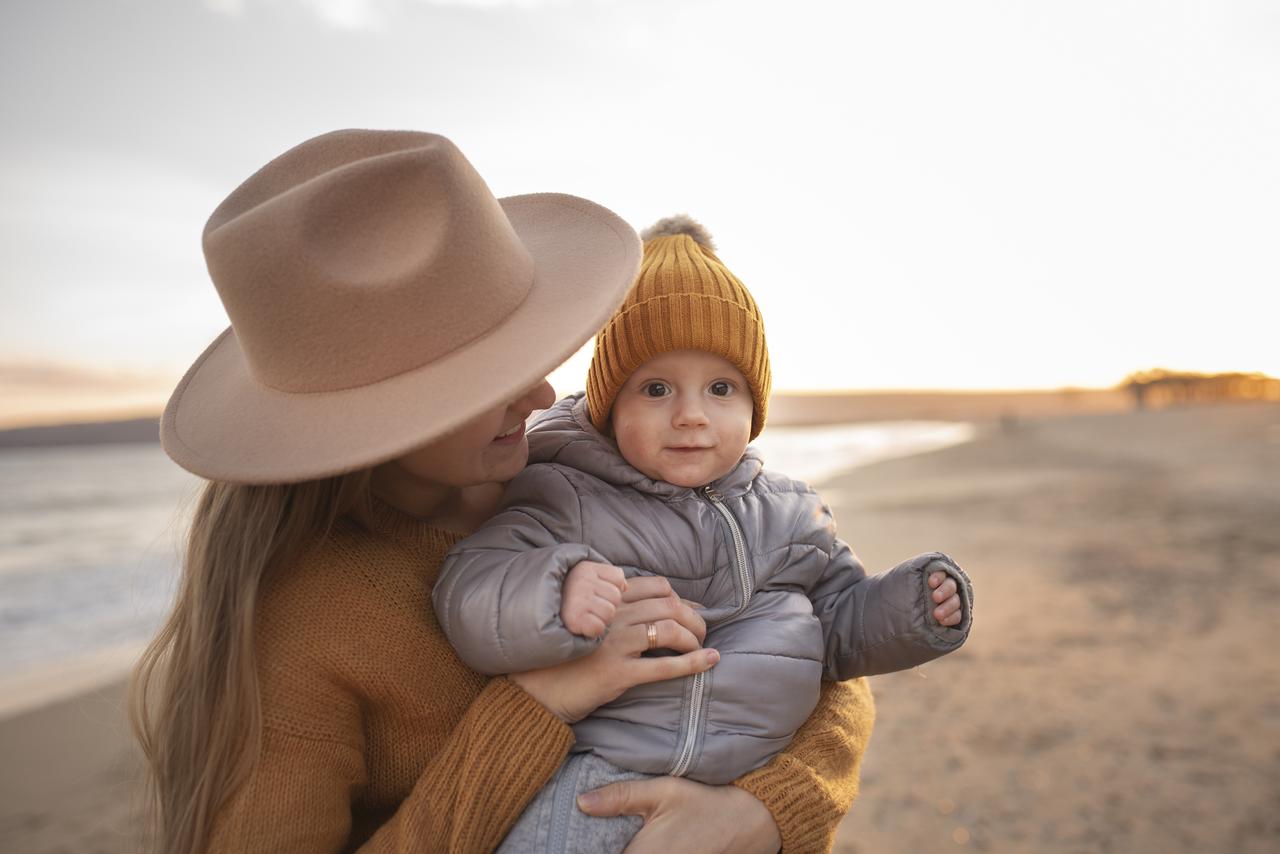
(331, 259)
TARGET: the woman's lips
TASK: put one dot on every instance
(512, 436)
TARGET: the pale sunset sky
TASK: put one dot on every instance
(921, 195)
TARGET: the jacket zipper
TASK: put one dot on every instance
(697, 694)
(695, 723)
(739, 548)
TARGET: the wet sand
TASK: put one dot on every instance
(1118, 692)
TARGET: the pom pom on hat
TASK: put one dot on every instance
(680, 224)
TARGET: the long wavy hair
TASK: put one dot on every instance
(194, 699)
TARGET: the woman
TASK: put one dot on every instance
(392, 323)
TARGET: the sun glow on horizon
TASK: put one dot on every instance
(908, 213)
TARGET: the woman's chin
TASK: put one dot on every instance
(507, 461)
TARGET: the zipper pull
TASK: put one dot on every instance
(710, 492)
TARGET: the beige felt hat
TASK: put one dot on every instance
(380, 296)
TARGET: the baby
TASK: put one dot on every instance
(650, 473)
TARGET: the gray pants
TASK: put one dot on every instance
(553, 823)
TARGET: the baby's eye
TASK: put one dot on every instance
(655, 389)
(721, 389)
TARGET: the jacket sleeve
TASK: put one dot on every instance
(498, 595)
(875, 624)
(298, 796)
(810, 786)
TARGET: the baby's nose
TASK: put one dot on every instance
(690, 414)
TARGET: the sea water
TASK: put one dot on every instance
(90, 539)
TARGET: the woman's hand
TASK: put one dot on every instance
(683, 816)
(573, 690)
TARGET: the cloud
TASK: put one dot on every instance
(352, 14)
(230, 8)
(374, 14)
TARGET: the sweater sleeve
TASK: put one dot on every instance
(499, 593)
(298, 797)
(809, 787)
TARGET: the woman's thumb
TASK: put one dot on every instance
(613, 799)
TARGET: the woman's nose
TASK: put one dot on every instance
(539, 396)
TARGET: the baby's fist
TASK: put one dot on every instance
(944, 593)
(592, 593)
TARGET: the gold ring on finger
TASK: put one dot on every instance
(651, 634)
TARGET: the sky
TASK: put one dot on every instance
(920, 195)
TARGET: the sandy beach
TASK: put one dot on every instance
(1117, 693)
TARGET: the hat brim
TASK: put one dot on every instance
(223, 424)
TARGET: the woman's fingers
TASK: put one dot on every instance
(573, 689)
(660, 668)
(670, 635)
(683, 817)
(633, 639)
(629, 797)
(665, 608)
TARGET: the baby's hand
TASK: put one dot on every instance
(944, 592)
(592, 593)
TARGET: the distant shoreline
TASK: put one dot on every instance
(127, 432)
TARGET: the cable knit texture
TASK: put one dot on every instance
(811, 785)
(378, 738)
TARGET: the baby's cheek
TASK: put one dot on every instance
(634, 445)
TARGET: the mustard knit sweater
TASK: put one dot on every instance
(375, 735)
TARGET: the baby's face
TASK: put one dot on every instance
(683, 417)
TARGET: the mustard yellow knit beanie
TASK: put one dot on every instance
(684, 299)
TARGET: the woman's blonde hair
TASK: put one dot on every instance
(194, 699)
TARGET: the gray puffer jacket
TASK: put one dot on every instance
(787, 603)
